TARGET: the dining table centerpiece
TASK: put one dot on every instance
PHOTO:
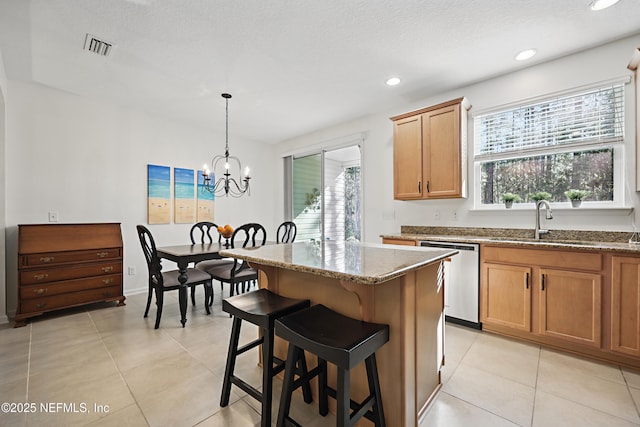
(226, 231)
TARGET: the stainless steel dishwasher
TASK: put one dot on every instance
(461, 281)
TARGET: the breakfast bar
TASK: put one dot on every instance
(394, 285)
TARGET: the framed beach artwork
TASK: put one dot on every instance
(158, 194)
(206, 201)
(184, 203)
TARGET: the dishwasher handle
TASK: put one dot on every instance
(445, 245)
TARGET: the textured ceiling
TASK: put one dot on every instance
(293, 66)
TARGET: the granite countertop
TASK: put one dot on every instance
(366, 263)
(564, 239)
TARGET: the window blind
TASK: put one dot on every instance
(588, 117)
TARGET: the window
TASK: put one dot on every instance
(567, 142)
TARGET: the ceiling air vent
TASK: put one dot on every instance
(97, 46)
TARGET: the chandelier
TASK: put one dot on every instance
(226, 185)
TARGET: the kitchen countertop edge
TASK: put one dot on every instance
(253, 255)
(506, 241)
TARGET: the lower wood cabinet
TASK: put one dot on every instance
(625, 305)
(403, 242)
(570, 306)
(506, 296)
(544, 293)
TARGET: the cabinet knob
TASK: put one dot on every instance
(40, 276)
(107, 269)
(40, 291)
(47, 259)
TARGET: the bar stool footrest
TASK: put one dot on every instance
(304, 379)
(249, 346)
(361, 409)
(247, 388)
(278, 366)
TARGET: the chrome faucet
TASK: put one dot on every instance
(549, 215)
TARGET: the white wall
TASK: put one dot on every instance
(3, 91)
(383, 215)
(87, 160)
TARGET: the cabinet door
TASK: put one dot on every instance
(625, 305)
(407, 158)
(441, 161)
(506, 296)
(571, 306)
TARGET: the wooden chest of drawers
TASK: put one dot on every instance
(66, 265)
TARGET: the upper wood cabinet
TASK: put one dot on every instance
(429, 152)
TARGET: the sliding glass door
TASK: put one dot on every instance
(307, 197)
(326, 194)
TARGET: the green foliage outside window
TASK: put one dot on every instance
(591, 171)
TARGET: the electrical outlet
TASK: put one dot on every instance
(455, 216)
(53, 216)
(436, 215)
(132, 271)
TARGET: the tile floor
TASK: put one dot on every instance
(128, 374)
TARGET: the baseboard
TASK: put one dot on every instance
(136, 291)
(462, 322)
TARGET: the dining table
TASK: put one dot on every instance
(183, 255)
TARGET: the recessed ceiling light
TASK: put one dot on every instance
(525, 54)
(393, 81)
(602, 4)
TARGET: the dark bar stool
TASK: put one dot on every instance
(262, 308)
(342, 341)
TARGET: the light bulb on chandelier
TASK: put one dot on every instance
(226, 185)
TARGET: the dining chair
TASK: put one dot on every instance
(239, 273)
(201, 232)
(286, 232)
(164, 281)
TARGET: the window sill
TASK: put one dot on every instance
(582, 210)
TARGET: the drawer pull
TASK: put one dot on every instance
(102, 254)
(40, 291)
(106, 294)
(107, 269)
(47, 258)
(107, 281)
(40, 276)
(41, 305)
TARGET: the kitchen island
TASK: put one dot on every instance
(396, 285)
